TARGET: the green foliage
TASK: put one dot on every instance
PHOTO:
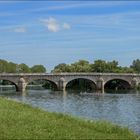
(3, 65)
(61, 68)
(97, 66)
(38, 69)
(23, 68)
(20, 121)
(80, 66)
(10, 67)
(136, 65)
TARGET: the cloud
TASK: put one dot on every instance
(66, 26)
(53, 25)
(20, 30)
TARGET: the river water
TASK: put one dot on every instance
(120, 108)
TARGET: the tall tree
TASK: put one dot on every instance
(136, 65)
(80, 66)
(3, 65)
(23, 68)
(61, 68)
(38, 69)
(99, 66)
(12, 67)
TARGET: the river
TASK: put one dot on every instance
(120, 108)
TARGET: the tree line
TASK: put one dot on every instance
(98, 66)
(10, 67)
(79, 66)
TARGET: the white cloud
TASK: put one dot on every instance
(53, 25)
(66, 26)
(20, 30)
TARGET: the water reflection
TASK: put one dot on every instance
(123, 109)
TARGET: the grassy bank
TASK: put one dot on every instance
(18, 120)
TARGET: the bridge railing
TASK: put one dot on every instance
(30, 74)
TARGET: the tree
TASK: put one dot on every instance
(23, 68)
(103, 66)
(12, 67)
(136, 65)
(112, 66)
(38, 69)
(61, 68)
(80, 66)
(3, 65)
(99, 66)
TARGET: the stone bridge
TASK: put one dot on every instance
(62, 79)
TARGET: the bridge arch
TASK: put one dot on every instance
(75, 83)
(117, 84)
(11, 81)
(48, 83)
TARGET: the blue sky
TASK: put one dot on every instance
(49, 33)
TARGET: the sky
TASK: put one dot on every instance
(53, 32)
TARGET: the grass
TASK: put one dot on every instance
(20, 121)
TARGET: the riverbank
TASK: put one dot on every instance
(18, 121)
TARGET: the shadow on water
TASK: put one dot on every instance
(121, 91)
(7, 88)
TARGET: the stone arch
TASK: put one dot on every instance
(117, 83)
(81, 77)
(45, 79)
(128, 80)
(11, 81)
(89, 82)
